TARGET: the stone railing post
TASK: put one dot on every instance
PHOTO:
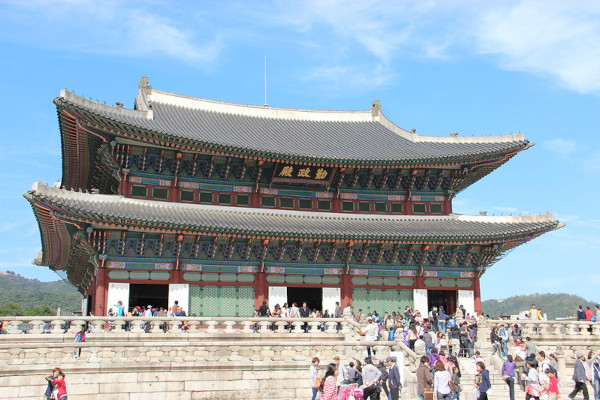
(596, 329)
(57, 326)
(264, 327)
(75, 327)
(331, 327)
(173, 325)
(210, 327)
(229, 327)
(137, 325)
(298, 326)
(557, 329)
(315, 327)
(36, 326)
(571, 329)
(247, 326)
(281, 326)
(14, 327)
(193, 326)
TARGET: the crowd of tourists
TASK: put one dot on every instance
(535, 371)
(437, 375)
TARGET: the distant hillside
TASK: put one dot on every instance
(22, 296)
(555, 305)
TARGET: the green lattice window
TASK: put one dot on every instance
(221, 301)
(382, 300)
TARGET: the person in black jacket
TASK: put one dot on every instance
(305, 313)
(393, 378)
(384, 377)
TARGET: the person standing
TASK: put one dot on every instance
(79, 338)
(60, 386)
(314, 377)
(579, 376)
(370, 333)
(329, 383)
(371, 376)
(596, 376)
(580, 313)
(441, 382)
(305, 313)
(508, 374)
(424, 380)
(342, 374)
(50, 387)
(393, 378)
(482, 381)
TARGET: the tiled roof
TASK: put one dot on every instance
(334, 136)
(280, 223)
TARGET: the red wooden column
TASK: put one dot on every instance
(260, 287)
(346, 291)
(101, 288)
(124, 184)
(419, 282)
(477, 296)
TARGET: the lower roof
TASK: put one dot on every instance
(104, 210)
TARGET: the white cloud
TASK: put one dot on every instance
(555, 38)
(107, 27)
(564, 147)
(344, 38)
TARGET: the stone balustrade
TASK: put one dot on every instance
(573, 329)
(166, 325)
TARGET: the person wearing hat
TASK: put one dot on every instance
(580, 377)
(393, 378)
(370, 333)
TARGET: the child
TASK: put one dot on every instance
(60, 386)
(79, 338)
(552, 386)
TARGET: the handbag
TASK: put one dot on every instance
(453, 386)
(533, 390)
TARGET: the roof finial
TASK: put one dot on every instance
(454, 134)
(376, 110)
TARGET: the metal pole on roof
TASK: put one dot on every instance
(265, 81)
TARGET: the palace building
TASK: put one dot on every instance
(221, 206)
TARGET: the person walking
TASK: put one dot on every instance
(482, 381)
(551, 388)
(580, 377)
(314, 377)
(508, 375)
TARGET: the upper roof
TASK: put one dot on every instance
(342, 137)
(137, 213)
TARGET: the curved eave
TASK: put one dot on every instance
(119, 129)
(54, 234)
(113, 212)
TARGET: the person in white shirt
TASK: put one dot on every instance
(370, 333)
(441, 379)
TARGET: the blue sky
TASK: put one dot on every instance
(477, 68)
